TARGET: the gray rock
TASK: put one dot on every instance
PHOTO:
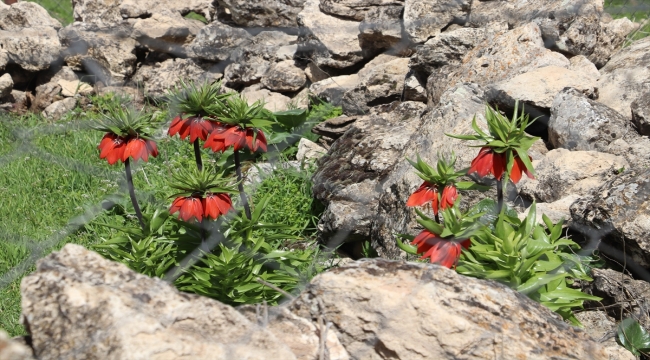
(448, 48)
(616, 214)
(4, 59)
(625, 77)
(348, 179)
(413, 89)
(26, 15)
(72, 88)
(581, 64)
(355, 9)
(78, 304)
(372, 304)
(332, 129)
(166, 32)
(309, 150)
(272, 101)
(314, 73)
(556, 211)
(332, 89)
(6, 85)
(634, 148)
(284, 76)
(46, 94)
(12, 349)
(147, 8)
(58, 109)
(108, 53)
(381, 28)
(562, 173)
(33, 49)
(217, 41)
(379, 84)
(336, 41)
(102, 13)
(603, 328)
(424, 19)
(501, 57)
(264, 13)
(579, 123)
(611, 38)
(641, 114)
(622, 295)
(159, 78)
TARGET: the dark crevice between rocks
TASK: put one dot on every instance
(539, 127)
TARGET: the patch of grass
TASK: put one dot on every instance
(194, 16)
(635, 10)
(58, 9)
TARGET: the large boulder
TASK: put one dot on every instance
(499, 58)
(579, 123)
(641, 114)
(332, 89)
(625, 77)
(33, 48)
(562, 172)
(264, 13)
(616, 213)
(26, 15)
(59, 109)
(101, 13)
(146, 8)
(161, 77)
(380, 84)
(349, 177)
(355, 9)
(273, 101)
(424, 19)
(108, 53)
(216, 41)
(284, 76)
(166, 32)
(381, 28)
(12, 349)
(388, 309)
(335, 40)
(78, 305)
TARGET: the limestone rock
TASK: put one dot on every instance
(102, 13)
(337, 39)
(26, 15)
(641, 114)
(108, 53)
(34, 48)
(578, 123)
(538, 87)
(272, 101)
(448, 48)
(58, 109)
(381, 28)
(602, 328)
(424, 19)
(622, 295)
(166, 32)
(581, 64)
(348, 178)
(4, 59)
(617, 214)
(379, 84)
(625, 77)
(501, 57)
(264, 13)
(413, 89)
(611, 37)
(13, 350)
(216, 41)
(46, 94)
(309, 150)
(332, 129)
(6, 85)
(556, 211)
(355, 9)
(332, 89)
(159, 78)
(147, 8)
(562, 173)
(634, 148)
(72, 88)
(251, 62)
(284, 76)
(78, 305)
(314, 73)
(370, 304)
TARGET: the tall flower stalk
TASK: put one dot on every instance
(128, 137)
(504, 153)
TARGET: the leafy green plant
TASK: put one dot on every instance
(632, 336)
(535, 260)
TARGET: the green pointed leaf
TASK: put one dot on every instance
(632, 336)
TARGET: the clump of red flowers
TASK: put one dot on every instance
(489, 161)
(114, 147)
(439, 250)
(202, 195)
(224, 136)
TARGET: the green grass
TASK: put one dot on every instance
(635, 10)
(58, 9)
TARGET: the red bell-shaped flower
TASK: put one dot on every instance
(112, 148)
(215, 205)
(138, 148)
(188, 207)
(438, 250)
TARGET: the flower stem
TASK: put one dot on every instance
(134, 201)
(499, 195)
(197, 154)
(240, 185)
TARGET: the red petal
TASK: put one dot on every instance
(515, 174)
(425, 240)
(444, 252)
(425, 193)
(112, 148)
(498, 165)
(210, 208)
(136, 148)
(181, 127)
(482, 163)
(152, 148)
(224, 203)
(191, 208)
(177, 204)
(261, 140)
(199, 128)
(449, 196)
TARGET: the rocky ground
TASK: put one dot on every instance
(405, 73)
